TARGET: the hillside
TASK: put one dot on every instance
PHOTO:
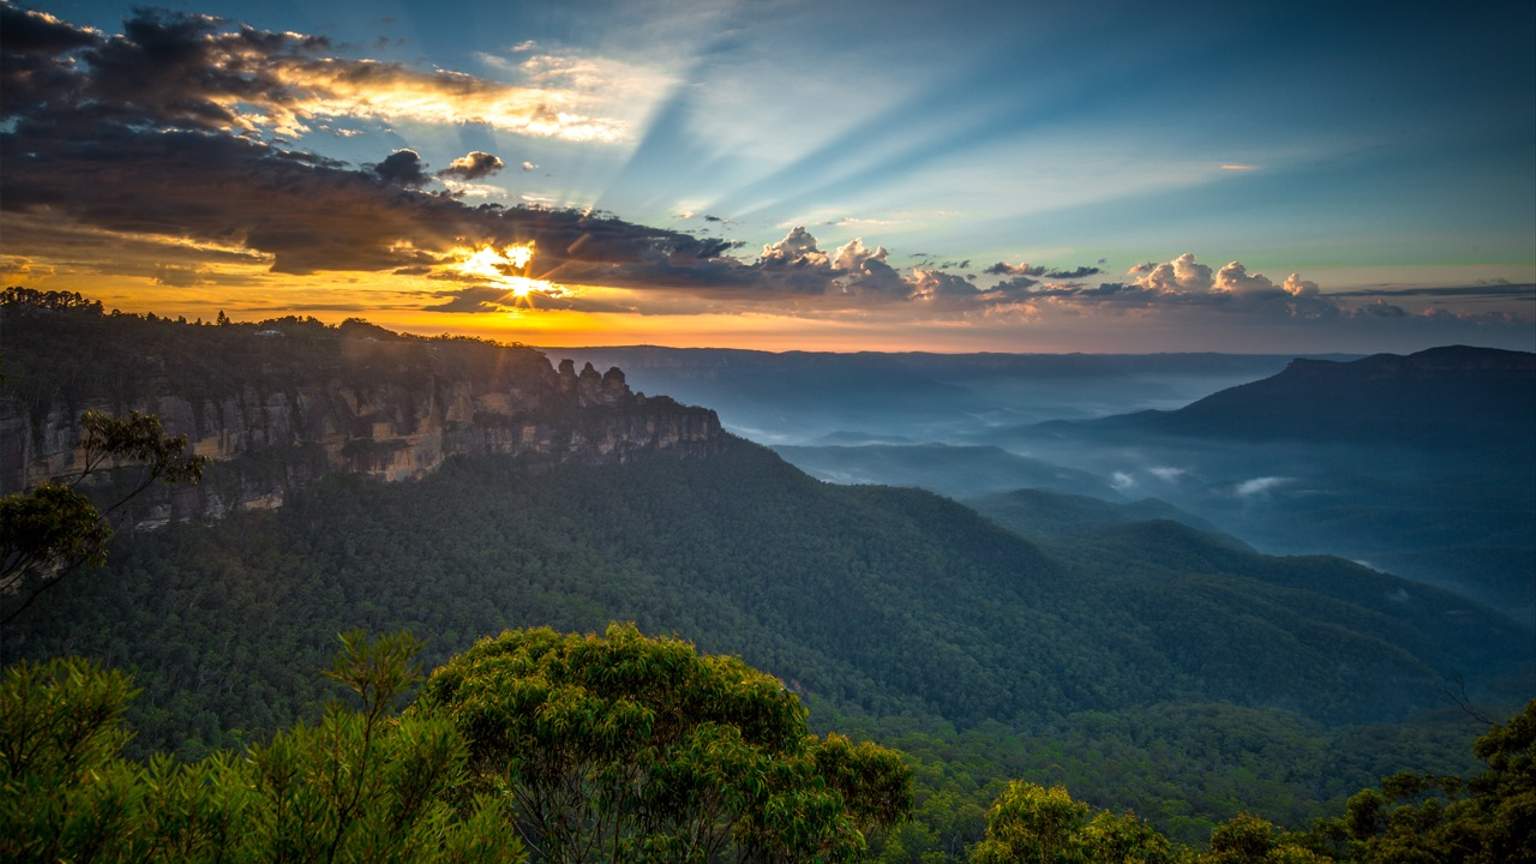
(1044, 515)
(1421, 465)
(953, 470)
(835, 589)
(1455, 397)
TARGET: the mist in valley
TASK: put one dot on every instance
(967, 426)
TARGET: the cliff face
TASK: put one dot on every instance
(277, 407)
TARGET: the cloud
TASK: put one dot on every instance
(1002, 268)
(402, 168)
(1018, 285)
(797, 248)
(853, 255)
(179, 276)
(309, 214)
(1260, 486)
(198, 72)
(1240, 167)
(1074, 273)
(473, 165)
(153, 154)
(1456, 291)
(21, 267)
(1380, 308)
(939, 286)
(1167, 473)
(1121, 480)
(476, 298)
(1181, 275)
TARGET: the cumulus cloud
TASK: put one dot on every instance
(937, 286)
(1003, 268)
(1121, 480)
(402, 168)
(1167, 473)
(1186, 282)
(1182, 275)
(474, 165)
(529, 167)
(797, 248)
(853, 255)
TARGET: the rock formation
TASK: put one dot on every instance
(276, 413)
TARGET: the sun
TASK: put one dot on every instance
(505, 266)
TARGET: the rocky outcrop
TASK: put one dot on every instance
(393, 409)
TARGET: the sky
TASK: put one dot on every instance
(1097, 177)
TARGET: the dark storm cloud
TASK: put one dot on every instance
(177, 69)
(1003, 268)
(131, 134)
(1075, 273)
(35, 69)
(1016, 285)
(476, 298)
(309, 213)
(403, 168)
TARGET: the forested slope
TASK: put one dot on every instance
(878, 600)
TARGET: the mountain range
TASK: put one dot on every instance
(536, 495)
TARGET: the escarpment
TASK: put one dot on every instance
(277, 405)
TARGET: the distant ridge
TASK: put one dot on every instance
(1453, 396)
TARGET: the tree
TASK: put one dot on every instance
(1485, 819)
(1033, 824)
(1030, 824)
(623, 748)
(48, 301)
(1249, 839)
(360, 786)
(53, 529)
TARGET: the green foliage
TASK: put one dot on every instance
(624, 748)
(1030, 824)
(1248, 839)
(1490, 817)
(50, 530)
(356, 787)
(1093, 668)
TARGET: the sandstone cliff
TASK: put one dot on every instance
(277, 405)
